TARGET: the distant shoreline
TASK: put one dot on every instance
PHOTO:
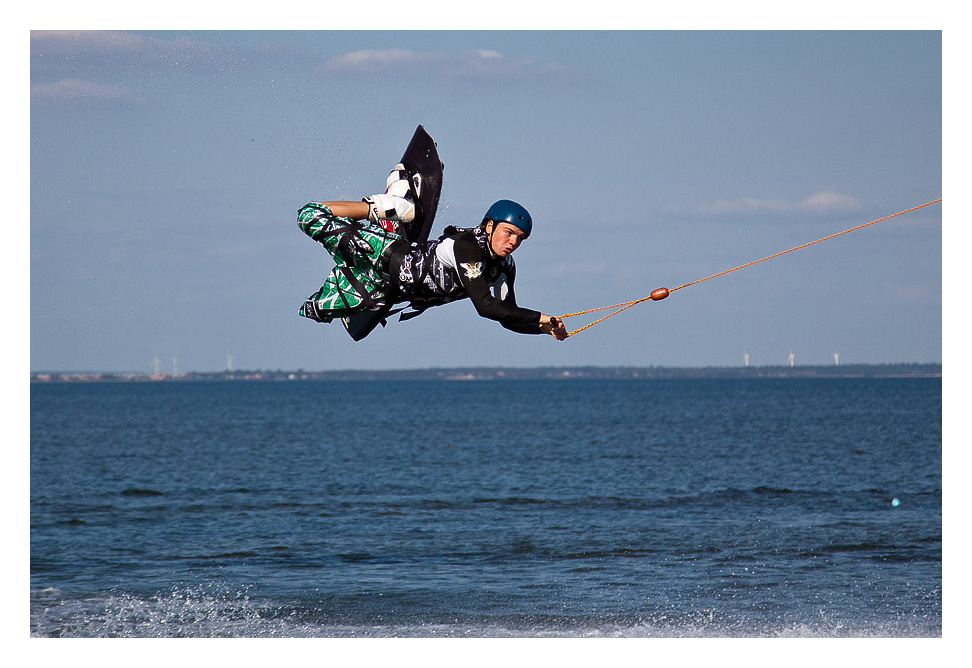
(914, 370)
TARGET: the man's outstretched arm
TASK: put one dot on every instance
(353, 210)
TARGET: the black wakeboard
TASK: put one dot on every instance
(421, 158)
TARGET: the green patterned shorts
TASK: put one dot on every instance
(357, 283)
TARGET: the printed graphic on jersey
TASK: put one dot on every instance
(472, 269)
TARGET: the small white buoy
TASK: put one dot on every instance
(895, 502)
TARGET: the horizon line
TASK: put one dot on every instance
(488, 367)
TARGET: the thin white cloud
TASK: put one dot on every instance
(80, 92)
(829, 201)
(88, 41)
(473, 63)
(54, 53)
(826, 201)
(370, 61)
(96, 67)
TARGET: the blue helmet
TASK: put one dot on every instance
(507, 211)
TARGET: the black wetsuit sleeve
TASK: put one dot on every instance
(471, 264)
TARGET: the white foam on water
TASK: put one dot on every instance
(212, 612)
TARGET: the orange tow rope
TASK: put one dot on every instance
(660, 293)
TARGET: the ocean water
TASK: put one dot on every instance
(513, 509)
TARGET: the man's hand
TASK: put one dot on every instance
(554, 326)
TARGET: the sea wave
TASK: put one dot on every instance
(214, 612)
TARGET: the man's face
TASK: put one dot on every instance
(504, 237)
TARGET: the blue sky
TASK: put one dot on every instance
(166, 169)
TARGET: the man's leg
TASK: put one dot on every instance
(349, 241)
(346, 291)
(356, 284)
